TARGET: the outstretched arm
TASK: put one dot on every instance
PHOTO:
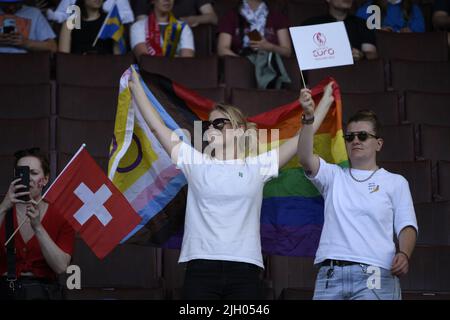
(308, 160)
(168, 139)
(290, 147)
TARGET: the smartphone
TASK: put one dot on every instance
(23, 172)
(254, 35)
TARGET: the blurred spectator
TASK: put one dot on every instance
(194, 12)
(24, 29)
(161, 34)
(396, 15)
(441, 16)
(80, 40)
(252, 26)
(60, 14)
(361, 38)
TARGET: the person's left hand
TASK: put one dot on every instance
(192, 21)
(18, 40)
(262, 44)
(34, 214)
(400, 265)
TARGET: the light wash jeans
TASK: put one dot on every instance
(356, 282)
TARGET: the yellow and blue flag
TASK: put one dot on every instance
(113, 28)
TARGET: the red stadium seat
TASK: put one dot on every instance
(427, 108)
(398, 143)
(434, 142)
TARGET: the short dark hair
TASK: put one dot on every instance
(36, 153)
(366, 115)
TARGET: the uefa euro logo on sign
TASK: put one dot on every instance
(322, 52)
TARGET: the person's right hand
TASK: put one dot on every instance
(328, 92)
(13, 193)
(135, 85)
(307, 102)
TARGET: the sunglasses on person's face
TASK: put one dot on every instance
(216, 123)
(362, 136)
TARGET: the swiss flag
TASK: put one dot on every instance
(92, 204)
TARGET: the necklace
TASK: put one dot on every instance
(371, 175)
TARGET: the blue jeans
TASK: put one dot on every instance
(222, 280)
(356, 282)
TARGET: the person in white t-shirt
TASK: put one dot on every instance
(221, 242)
(364, 206)
(161, 34)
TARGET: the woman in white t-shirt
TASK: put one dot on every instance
(364, 206)
(221, 241)
(161, 34)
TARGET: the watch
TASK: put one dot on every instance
(307, 121)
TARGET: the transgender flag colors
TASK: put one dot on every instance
(292, 211)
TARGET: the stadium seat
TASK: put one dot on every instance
(199, 72)
(25, 101)
(71, 134)
(254, 101)
(87, 103)
(291, 272)
(364, 76)
(428, 270)
(444, 181)
(428, 46)
(6, 172)
(25, 69)
(23, 134)
(434, 142)
(297, 294)
(63, 159)
(398, 143)
(91, 70)
(418, 175)
(215, 94)
(173, 273)
(128, 272)
(239, 73)
(221, 7)
(433, 220)
(384, 104)
(420, 76)
(427, 108)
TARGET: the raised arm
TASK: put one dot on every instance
(308, 160)
(290, 147)
(168, 139)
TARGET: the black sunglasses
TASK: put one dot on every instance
(362, 136)
(218, 123)
(26, 152)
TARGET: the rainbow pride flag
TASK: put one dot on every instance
(292, 211)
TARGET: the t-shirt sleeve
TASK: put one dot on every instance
(324, 176)
(187, 158)
(441, 5)
(280, 21)
(187, 39)
(268, 164)
(66, 238)
(137, 33)
(404, 214)
(43, 30)
(228, 23)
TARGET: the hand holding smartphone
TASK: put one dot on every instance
(23, 172)
(254, 35)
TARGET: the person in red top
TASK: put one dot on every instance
(43, 245)
(253, 26)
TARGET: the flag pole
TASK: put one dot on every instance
(303, 79)
(103, 25)
(25, 220)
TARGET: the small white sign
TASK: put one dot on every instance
(322, 45)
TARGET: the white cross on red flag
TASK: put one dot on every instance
(91, 203)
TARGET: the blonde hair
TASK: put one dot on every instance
(238, 120)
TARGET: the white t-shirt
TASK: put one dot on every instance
(138, 34)
(361, 217)
(224, 205)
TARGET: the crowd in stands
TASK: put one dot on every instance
(164, 27)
